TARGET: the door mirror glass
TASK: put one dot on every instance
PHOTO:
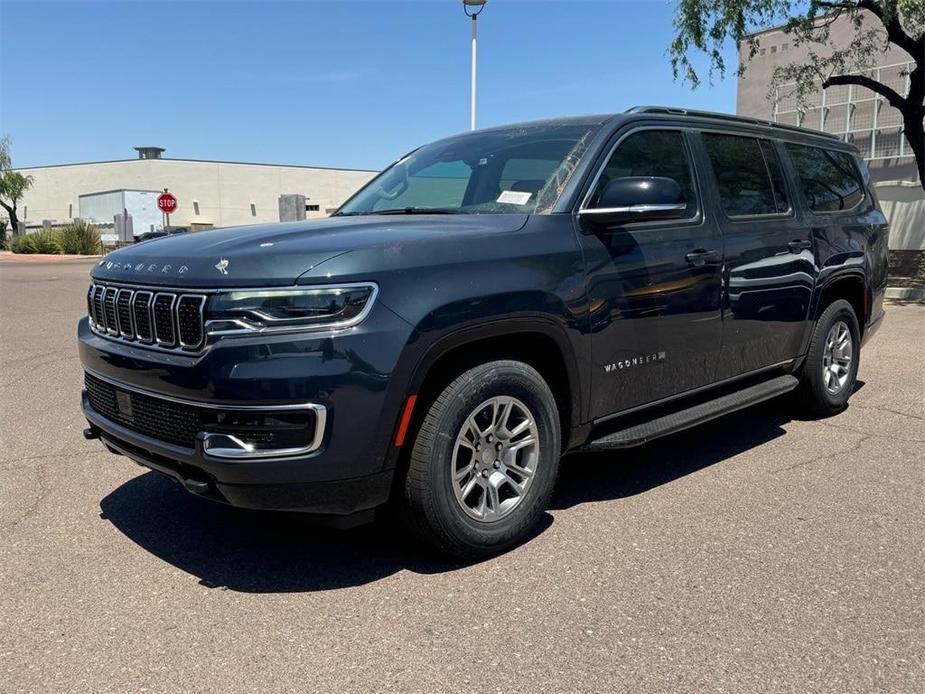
(638, 198)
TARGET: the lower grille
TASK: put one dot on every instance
(160, 419)
(261, 431)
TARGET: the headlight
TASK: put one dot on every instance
(289, 310)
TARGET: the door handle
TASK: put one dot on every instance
(798, 245)
(700, 257)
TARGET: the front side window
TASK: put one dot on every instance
(660, 153)
(510, 170)
(829, 180)
(748, 175)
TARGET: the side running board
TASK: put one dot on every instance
(698, 414)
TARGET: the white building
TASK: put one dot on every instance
(209, 193)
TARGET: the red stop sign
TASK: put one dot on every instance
(166, 202)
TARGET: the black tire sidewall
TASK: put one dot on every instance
(824, 401)
(496, 379)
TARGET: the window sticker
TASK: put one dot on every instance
(514, 197)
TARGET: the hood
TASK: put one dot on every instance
(277, 254)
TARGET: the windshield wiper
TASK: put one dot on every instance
(419, 210)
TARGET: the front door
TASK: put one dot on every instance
(653, 287)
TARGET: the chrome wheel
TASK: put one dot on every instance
(836, 358)
(494, 458)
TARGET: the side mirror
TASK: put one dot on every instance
(637, 199)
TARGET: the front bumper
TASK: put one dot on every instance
(347, 375)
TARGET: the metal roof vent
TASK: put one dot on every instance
(150, 152)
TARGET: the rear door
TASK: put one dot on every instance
(769, 270)
(653, 287)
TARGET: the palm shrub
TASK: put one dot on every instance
(80, 238)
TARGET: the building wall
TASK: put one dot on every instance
(224, 191)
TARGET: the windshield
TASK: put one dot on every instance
(516, 170)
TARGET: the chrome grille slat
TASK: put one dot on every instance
(164, 321)
(141, 314)
(109, 310)
(167, 320)
(124, 314)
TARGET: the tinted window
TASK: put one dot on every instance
(829, 180)
(748, 175)
(651, 153)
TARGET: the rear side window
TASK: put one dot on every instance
(651, 153)
(830, 180)
(748, 175)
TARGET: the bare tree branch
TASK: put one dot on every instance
(896, 101)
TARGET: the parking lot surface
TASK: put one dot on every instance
(762, 552)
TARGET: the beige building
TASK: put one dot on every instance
(854, 113)
(209, 193)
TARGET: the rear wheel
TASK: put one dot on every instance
(484, 461)
(832, 361)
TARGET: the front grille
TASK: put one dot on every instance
(165, 319)
(157, 418)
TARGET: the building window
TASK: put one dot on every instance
(313, 208)
(196, 207)
(784, 46)
(762, 51)
(773, 49)
(253, 209)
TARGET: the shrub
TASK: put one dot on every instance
(45, 241)
(80, 238)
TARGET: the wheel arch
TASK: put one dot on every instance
(534, 340)
(850, 286)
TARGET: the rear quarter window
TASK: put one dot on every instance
(830, 180)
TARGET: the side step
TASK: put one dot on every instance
(698, 414)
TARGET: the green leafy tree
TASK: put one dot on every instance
(13, 185)
(705, 26)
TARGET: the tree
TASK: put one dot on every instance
(13, 185)
(706, 25)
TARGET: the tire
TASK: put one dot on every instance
(824, 394)
(444, 463)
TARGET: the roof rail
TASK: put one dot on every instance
(748, 120)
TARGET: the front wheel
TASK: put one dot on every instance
(484, 461)
(832, 361)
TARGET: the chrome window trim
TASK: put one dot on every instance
(130, 335)
(202, 320)
(685, 132)
(320, 412)
(173, 321)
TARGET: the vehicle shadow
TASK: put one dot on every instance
(259, 552)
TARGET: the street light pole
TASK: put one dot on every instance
(473, 9)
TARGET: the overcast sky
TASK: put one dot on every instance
(339, 83)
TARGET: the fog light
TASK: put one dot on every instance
(265, 433)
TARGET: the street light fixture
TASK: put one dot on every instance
(473, 8)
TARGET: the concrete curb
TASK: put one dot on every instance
(906, 293)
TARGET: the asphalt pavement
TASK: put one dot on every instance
(761, 552)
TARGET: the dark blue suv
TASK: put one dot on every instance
(487, 304)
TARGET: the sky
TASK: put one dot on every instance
(342, 83)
